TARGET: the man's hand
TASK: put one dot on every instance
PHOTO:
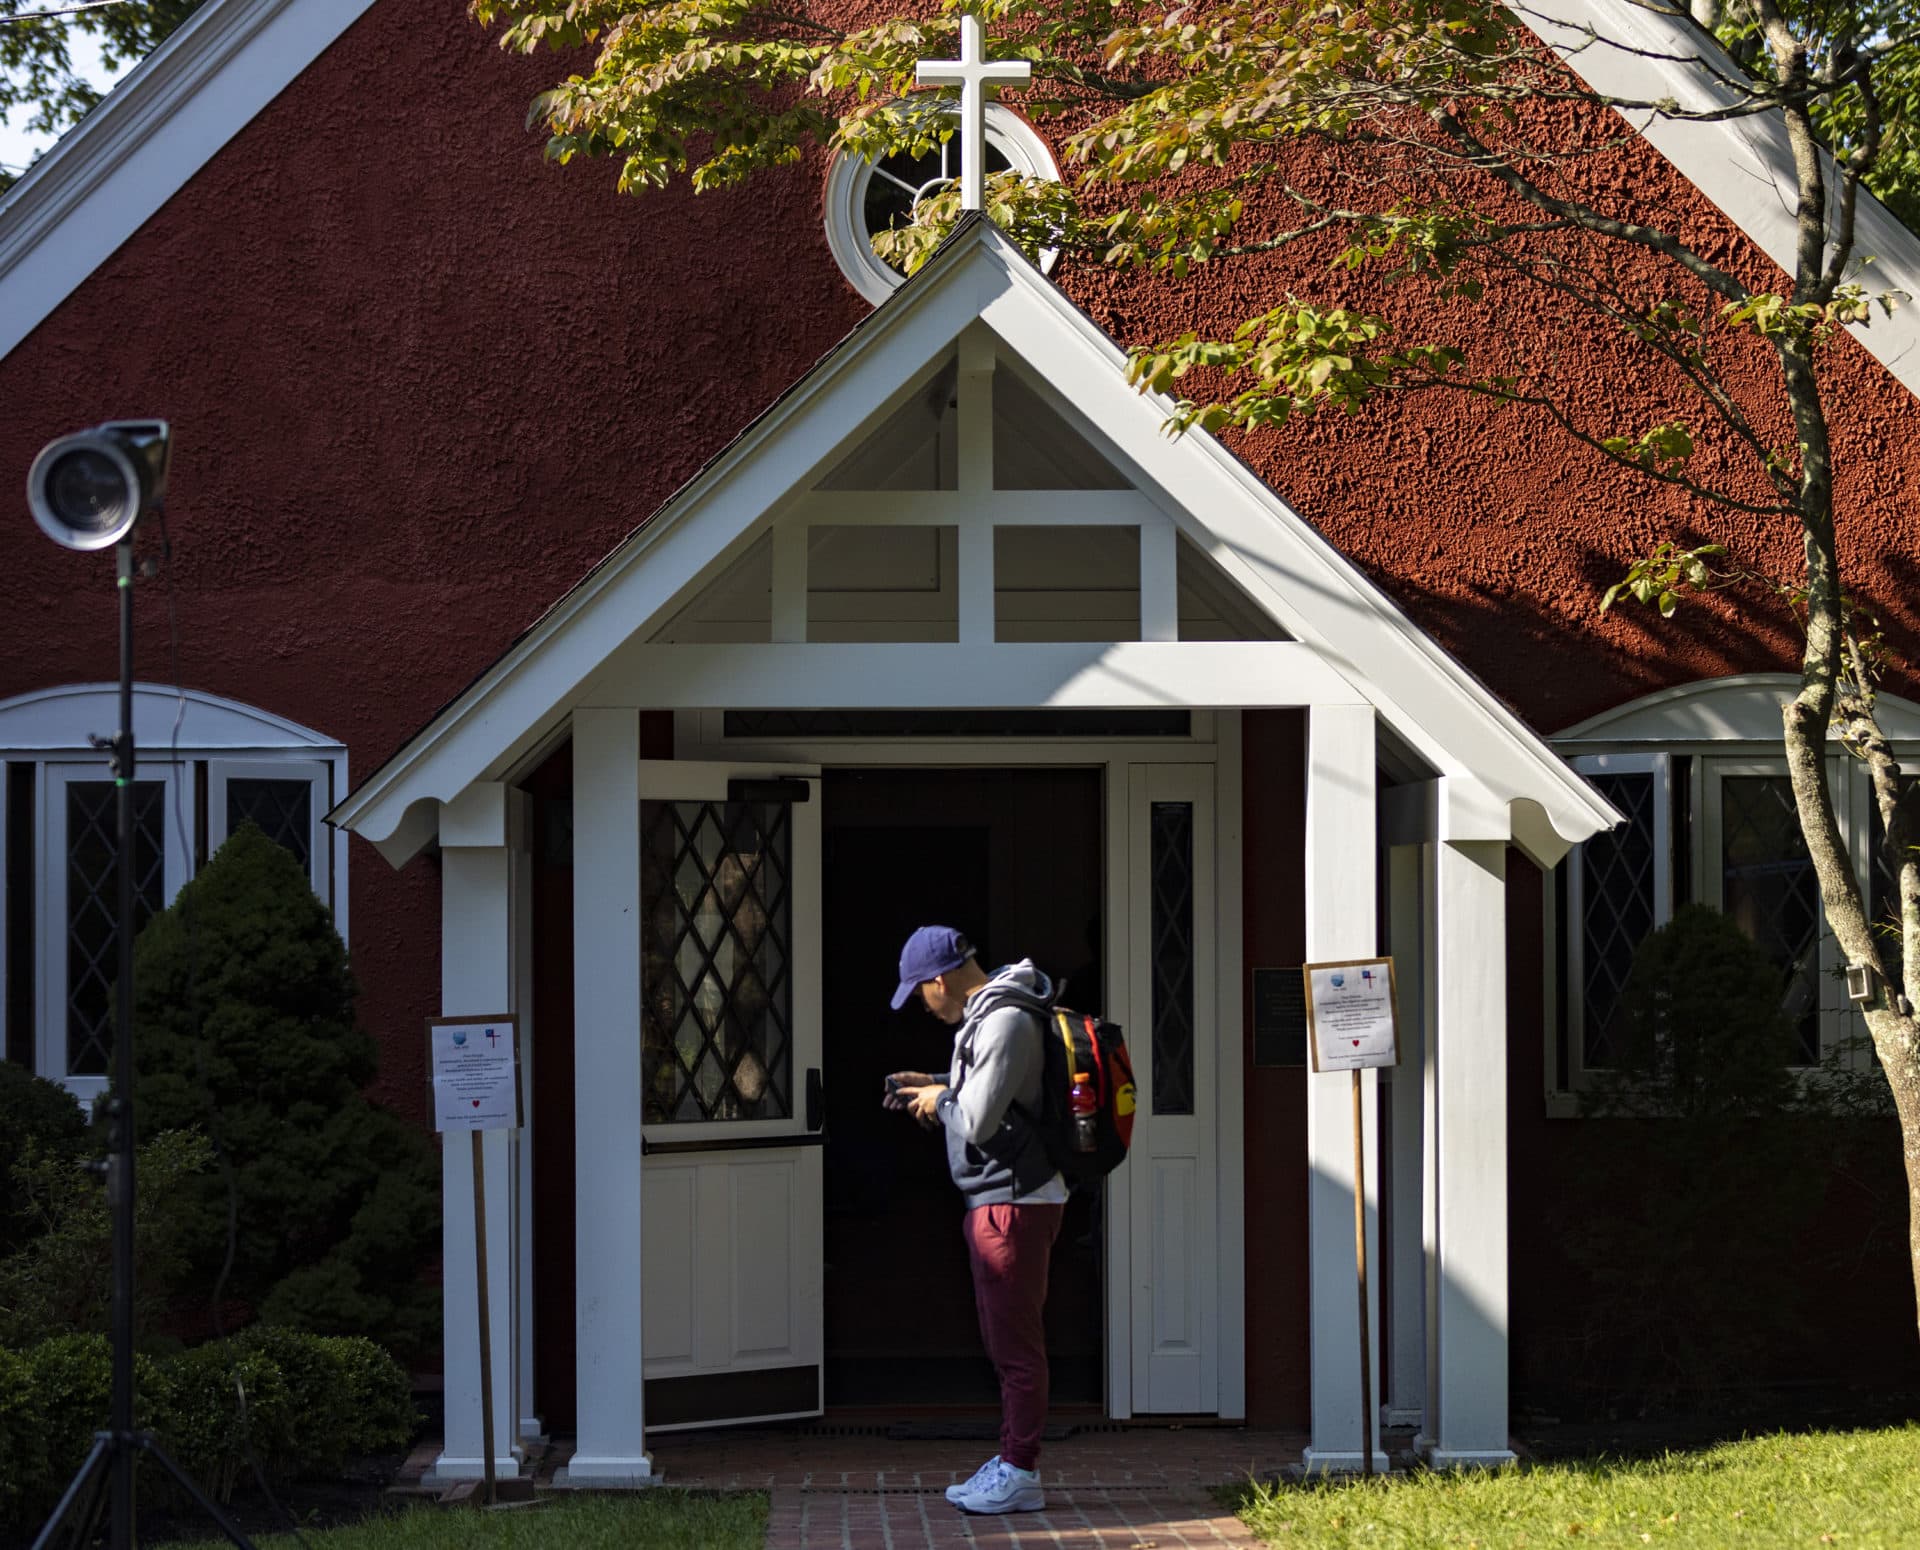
(920, 1101)
(898, 1084)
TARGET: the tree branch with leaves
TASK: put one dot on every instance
(1467, 154)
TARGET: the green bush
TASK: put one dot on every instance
(62, 1393)
(210, 1404)
(353, 1397)
(58, 1281)
(22, 1444)
(1704, 1035)
(244, 1018)
(38, 1120)
(300, 1404)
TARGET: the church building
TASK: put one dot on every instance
(639, 614)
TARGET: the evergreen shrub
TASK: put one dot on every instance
(245, 1028)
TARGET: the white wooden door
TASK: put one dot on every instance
(1172, 1186)
(731, 1173)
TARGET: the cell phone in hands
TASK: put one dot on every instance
(893, 1100)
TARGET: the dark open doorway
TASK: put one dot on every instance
(1015, 859)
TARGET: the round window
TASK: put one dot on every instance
(865, 197)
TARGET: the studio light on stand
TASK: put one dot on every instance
(89, 491)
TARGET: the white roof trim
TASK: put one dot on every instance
(64, 719)
(1745, 166)
(1280, 560)
(1740, 708)
(137, 149)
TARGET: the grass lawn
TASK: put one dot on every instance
(1854, 1489)
(659, 1519)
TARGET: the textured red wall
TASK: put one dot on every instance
(421, 381)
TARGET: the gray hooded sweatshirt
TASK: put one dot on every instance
(993, 1152)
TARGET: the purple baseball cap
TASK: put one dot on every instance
(931, 951)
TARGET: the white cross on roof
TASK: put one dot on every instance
(973, 75)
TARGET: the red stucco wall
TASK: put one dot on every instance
(420, 381)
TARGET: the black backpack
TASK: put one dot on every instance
(1088, 1140)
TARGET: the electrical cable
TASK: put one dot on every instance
(215, 1316)
(71, 10)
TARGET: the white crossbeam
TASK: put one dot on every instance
(1131, 674)
(955, 508)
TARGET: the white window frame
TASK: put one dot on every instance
(177, 734)
(1659, 766)
(1725, 726)
(846, 198)
(318, 777)
(51, 782)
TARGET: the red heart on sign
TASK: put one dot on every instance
(476, 1101)
(1356, 1045)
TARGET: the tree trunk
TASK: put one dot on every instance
(1897, 1039)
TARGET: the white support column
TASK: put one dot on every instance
(1159, 581)
(1406, 1374)
(789, 581)
(520, 843)
(1429, 1128)
(974, 433)
(477, 977)
(1467, 1150)
(606, 1088)
(1342, 842)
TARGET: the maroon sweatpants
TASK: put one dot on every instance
(1010, 1246)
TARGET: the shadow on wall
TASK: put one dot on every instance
(1578, 662)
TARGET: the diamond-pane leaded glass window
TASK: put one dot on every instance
(1172, 937)
(1619, 903)
(1883, 867)
(282, 808)
(717, 984)
(93, 903)
(1768, 887)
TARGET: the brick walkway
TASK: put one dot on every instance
(1133, 1488)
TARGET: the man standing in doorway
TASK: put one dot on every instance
(1015, 1196)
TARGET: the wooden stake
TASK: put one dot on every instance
(1360, 1260)
(486, 1329)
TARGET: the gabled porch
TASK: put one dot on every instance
(965, 510)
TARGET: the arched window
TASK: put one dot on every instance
(865, 197)
(1701, 775)
(204, 765)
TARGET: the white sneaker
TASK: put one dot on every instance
(1006, 1490)
(978, 1479)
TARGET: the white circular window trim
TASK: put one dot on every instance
(846, 199)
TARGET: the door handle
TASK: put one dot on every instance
(816, 1099)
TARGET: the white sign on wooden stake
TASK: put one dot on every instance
(1351, 1025)
(1351, 1022)
(475, 1062)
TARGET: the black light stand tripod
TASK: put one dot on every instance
(106, 1477)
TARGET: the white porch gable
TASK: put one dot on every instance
(967, 494)
(980, 310)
